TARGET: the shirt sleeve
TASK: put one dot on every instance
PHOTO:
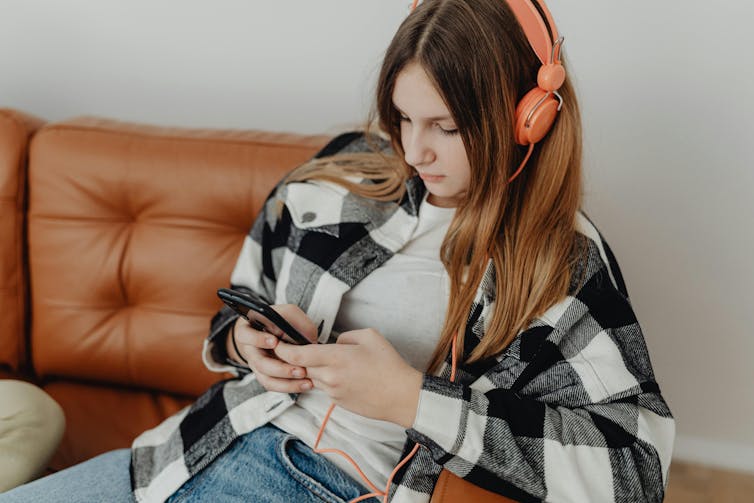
(256, 269)
(535, 450)
(572, 414)
(253, 272)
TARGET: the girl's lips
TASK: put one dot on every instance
(431, 178)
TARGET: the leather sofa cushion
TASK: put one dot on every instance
(131, 231)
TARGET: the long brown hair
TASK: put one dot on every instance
(481, 64)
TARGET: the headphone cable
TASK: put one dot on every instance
(375, 491)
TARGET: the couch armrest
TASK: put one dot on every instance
(16, 130)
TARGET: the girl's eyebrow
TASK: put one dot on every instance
(439, 118)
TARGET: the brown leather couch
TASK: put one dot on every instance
(113, 240)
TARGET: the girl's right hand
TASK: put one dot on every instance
(257, 346)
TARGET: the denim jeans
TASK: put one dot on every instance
(104, 478)
(265, 465)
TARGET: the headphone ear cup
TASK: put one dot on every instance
(541, 120)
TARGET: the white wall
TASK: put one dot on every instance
(297, 65)
(668, 119)
(669, 126)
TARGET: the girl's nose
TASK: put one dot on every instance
(417, 150)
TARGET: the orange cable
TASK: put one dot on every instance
(377, 492)
(528, 154)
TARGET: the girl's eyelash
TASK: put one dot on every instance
(448, 132)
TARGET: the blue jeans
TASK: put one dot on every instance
(265, 465)
(104, 478)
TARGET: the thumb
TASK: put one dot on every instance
(363, 337)
(351, 337)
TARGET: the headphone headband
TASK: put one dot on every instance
(528, 15)
(534, 26)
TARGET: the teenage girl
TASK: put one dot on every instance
(471, 323)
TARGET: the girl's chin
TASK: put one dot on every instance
(442, 201)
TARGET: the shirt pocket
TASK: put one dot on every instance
(320, 208)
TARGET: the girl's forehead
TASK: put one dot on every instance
(415, 94)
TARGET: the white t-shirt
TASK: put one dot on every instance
(405, 300)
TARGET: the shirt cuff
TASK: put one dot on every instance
(440, 414)
(214, 353)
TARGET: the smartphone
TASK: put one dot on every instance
(243, 302)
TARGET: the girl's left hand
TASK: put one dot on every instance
(362, 373)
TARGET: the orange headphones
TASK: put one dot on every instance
(537, 110)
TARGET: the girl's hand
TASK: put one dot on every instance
(257, 346)
(362, 373)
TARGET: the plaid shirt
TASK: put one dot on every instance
(569, 411)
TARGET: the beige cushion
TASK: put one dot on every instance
(31, 426)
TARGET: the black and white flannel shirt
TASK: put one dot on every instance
(570, 411)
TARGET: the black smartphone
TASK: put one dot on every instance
(243, 302)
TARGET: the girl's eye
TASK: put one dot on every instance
(448, 131)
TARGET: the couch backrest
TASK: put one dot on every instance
(16, 129)
(131, 231)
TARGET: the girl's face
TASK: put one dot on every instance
(430, 139)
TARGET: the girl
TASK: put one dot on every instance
(472, 322)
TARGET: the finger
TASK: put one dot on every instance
(265, 364)
(284, 385)
(260, 323)
(322, 377)
(361, 336)
(248, 336)
(309, 355)
(298, 319)
(350, 337)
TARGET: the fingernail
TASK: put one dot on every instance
(298, 373)
(270, 341)
(306, 386)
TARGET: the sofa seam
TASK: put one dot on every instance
(187, 139)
